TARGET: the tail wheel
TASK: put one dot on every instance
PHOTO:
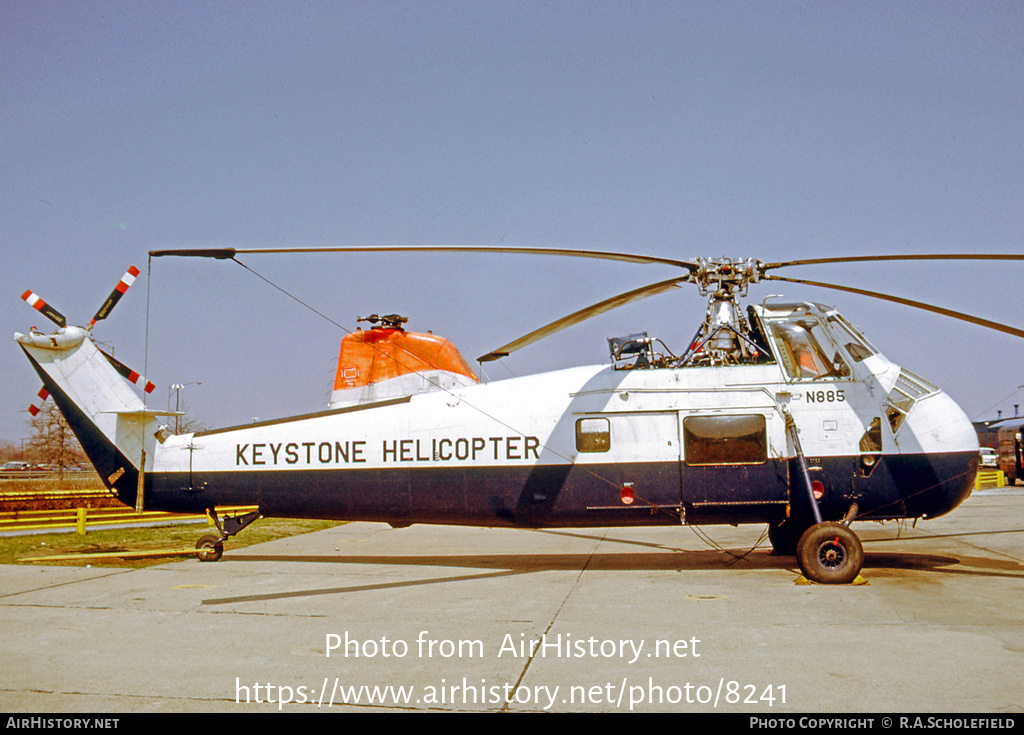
(830, 553)
(209, 548)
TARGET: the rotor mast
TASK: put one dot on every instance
(722, 338)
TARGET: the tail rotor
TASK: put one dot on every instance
(39, 304)
(36, 302)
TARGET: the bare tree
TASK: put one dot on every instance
(52, 440)
(187, 422)
(9, 451)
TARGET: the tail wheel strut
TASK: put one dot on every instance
(210, 547)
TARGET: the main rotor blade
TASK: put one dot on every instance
(582, 315)
(907, 302)
(224, 253)
(870, 258)
(218, 253)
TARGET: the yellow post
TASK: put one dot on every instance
(80, 530)
(139, 504)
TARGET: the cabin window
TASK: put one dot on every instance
(871, 442)
(717, 440)
(593, 435)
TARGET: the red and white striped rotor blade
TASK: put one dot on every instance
(38, 401)
(129, 374)
(123, 285)
(140, 380)
(36, 302)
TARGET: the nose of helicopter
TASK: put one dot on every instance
(939, 446)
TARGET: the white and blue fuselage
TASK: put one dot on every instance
(587, 446)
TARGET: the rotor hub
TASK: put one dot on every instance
(726, 276)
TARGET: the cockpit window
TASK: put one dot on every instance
(807, 351)
(853, 341)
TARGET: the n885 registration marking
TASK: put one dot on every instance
(826, 396)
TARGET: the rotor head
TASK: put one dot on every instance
(725, 277)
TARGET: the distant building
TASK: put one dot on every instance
(988, 431)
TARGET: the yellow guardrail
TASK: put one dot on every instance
(989, 476)
(80, 519)
(10, 497)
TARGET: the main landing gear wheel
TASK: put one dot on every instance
(209, 548)
(830, 553)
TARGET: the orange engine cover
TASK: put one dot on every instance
(381, 354)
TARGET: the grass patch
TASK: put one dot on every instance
(17, 549)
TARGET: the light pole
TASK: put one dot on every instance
(176, 388)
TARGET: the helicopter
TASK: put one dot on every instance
(781, 413)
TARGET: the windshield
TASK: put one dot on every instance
(806, 349)
(856, 346)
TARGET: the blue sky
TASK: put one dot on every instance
(680, 129)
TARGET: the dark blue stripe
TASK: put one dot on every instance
(901, 486)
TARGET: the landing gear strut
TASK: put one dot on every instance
(827, 552)
(211, 547)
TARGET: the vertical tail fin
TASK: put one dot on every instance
(108, 418)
